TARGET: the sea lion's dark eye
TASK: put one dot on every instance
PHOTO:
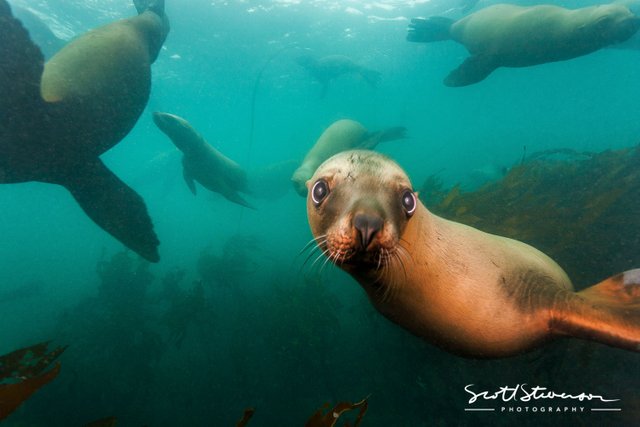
(409, 202)
(319, 191)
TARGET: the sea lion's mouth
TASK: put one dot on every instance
(372, 259)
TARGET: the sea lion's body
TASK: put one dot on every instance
(506, 35)
(330, 67)
(470, 292)
(456, 283)
(341, 135)
(202, 162)
(59, 118)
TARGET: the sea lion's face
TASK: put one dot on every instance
(613, 23)
(358, 205)
(177, 128)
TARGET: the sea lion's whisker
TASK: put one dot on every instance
(380, 254)
(312, 252)
(326, 261)
(324, 253)
(315, 240)
(398, 256)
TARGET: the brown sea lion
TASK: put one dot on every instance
(470, 292)
(57, 118)
(505, 35)
(342, 135)
(203, 163)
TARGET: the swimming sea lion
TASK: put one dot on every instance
(342, 135)
(203, 163)
(57, 118)
(331, 67)
(472, 293)
(505, 35)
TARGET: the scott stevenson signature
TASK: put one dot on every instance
(520, 393)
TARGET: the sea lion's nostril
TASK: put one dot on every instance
(367, 226)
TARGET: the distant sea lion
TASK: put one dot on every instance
(202, 162)
(505, 35)
(342, 135)
(331, 67)
(472, 293)
(56, 119)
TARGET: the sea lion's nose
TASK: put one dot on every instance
(367, 226)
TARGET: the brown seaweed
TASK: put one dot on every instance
(579, 208)
(330, 417)
(21, 374)
(246, 416)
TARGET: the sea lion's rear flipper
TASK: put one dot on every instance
(608, 312)
(371, 139)
(473, 70)
(114, 206)
(156, 6)
(21, 66)
(433, 29)
(188, 178)
(234, 197)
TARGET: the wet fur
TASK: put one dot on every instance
(470, 292)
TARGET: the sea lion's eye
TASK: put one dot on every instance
(409, 202)
(319, 191)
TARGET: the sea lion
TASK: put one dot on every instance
(203, 163)
(342, 135)
(57, 118)
(331, 67)
(469, 292)
(505, 35)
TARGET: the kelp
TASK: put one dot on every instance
(330, 417)
(22, 373)
(237, 259)
(246, 416)
(187, 307)
(582, 209)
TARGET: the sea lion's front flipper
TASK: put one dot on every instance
(473, 70)
(114, 206)
(21, 67)
(188, 178)
(371, 139)
(608, 312)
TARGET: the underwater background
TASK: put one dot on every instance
(230, 318)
